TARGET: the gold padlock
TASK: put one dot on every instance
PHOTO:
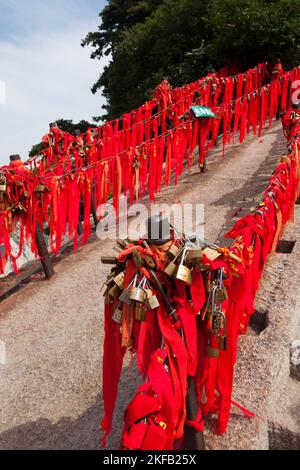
(118, 313)
(119, 280)
(137, 293)
(152, 301)
(171, 268)
(184, 274)
(2, 182)
(115, 292)
(212, 352)
(40, 188)
(150, 261)
(108, 300)
(173, 250)
(137, 258)
(140, 312)
(223, 342)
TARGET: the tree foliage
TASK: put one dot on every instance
(182, 39)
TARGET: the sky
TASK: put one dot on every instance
(45, 74)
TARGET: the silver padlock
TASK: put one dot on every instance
(184, 274)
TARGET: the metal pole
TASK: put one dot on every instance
(193, 439)
(43, 252)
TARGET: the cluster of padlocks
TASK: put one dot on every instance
(154, 274)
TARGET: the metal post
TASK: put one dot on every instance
(43, 252)
(93, 209)
(193, 439)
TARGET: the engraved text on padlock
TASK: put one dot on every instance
(184, 274)
(137, 294)
(117, 316)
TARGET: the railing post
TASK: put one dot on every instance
(43, 252)
(193, 439)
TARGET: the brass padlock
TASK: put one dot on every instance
(212, 352)
(221, 295)
(115, 292)
(108, 300)
(150, 261)
(119, 280)
(184, 274)
(2, 182)
(110, 280)
(223, 342)
(137, 293)
(152, 301)
(140, 312)
(118, 313)
(125, 296)
(137, 258)
(174, 249)
(216, 322)
(223, 336)
(171, 268)
(40, 188)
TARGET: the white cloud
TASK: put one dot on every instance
(48, 75)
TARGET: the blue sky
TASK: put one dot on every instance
(47, 74)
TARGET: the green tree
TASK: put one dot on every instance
(250, 31)
(117, 16)
(182, 39)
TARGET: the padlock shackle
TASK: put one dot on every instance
(184, 251)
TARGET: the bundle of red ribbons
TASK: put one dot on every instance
(193, 335)
(133, 155)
